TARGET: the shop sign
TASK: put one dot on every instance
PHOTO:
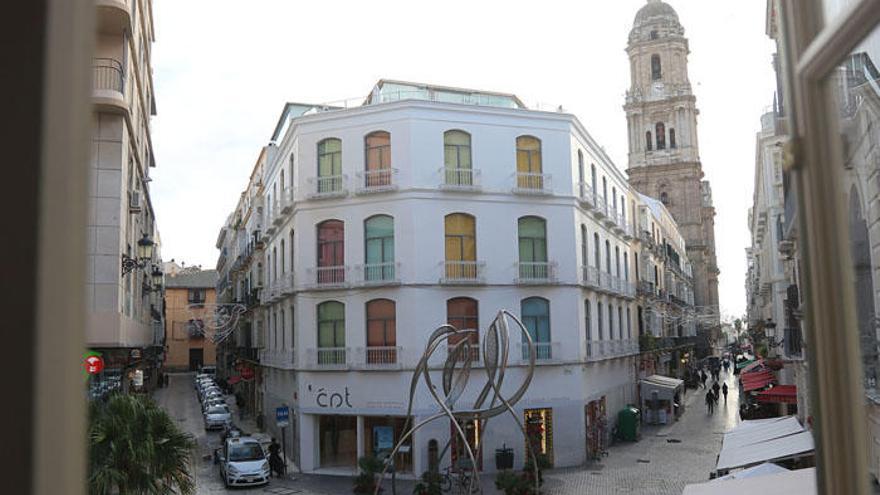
(329, 399)
(94, 365)
(282, 416)
(138, 378)
(384, 438)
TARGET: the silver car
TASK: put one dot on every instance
(217, 417)
(243, 462)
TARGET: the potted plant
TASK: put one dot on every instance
(365, 483)
(429, 484)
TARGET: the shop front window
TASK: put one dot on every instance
(338, 441)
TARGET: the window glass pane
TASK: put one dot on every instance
(461, 313)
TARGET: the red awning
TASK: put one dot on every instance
(780, 394)
(757, 381)
(751, 366)
(233, 380)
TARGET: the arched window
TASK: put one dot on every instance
(656, 69)
(585, 261)
(377, 163)
(283, 330)
(283, 260)
(535, 315)
(610, 321)
(672, 138)
(331, 333)
(597, 255)
(593, 180)
(607, 257)
(660, 129)
(331, 252)
(649, 145)
(626, 266)
(457, 158)
(463, 314)
(654, 34)
(588, 323)
(528, 163)
(275, 264)
(381, 332)
(629, 333)
(620, 321)
(533, 248)
(329, 165)
(664, 197)
(581, 177)
(599, 321)
(379, 248)
(461, 246)
(617, 261)
(292, 258)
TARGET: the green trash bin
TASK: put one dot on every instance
(629, 424)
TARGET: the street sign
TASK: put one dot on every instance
(282, 416)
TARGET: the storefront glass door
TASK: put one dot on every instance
(338, 441)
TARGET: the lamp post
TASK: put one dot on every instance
(145, 254)
(157, 277)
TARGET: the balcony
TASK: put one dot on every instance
(285, 202)
(378, 273)
(462, 272)
(610, 217)
(114, 16)
(328, 358)
(600, 350)
(460, 179)
(590, 276)
(287, 284)
(646, 289)
(586, 195)
(108, 85)
(278, 358)
(601, 207)
(328, 277)
(793, 342)
(376, 181)
(378, 357)
(331, 186)
(544, 351)
(536, 272)
(532, 183)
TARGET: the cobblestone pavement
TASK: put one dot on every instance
(663, 462)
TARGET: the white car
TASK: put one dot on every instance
(209, 393)
(243, 462)
(217, 417)
(213, 401)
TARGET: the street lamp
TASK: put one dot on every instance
(157, 277)
(145, 254)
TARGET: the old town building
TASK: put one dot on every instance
(429, 205)
(664, 159)
(189, 302)
(123, 289)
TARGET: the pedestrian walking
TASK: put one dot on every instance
(710, 401)
(724, 391)
(715, 389)
(702, 379)
(275, 463)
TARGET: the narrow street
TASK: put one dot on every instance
(665, 460)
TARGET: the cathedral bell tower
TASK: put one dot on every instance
(664, 157)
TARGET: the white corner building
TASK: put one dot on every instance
(429, 205)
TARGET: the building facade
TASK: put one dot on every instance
(429, 205)
(189, 302)
(664, 159)
(125, 308)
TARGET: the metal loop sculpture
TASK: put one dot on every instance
(489, 402)
(216, 321)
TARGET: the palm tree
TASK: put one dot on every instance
(136, 448)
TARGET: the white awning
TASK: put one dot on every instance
(759, 470)
(798, 482)
(770, 450)
(663, 385)
(751, 432)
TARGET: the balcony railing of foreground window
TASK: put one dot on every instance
(793, 342)
(331, 186)
(107, 75)
(532, 183)
(375, 181)
(460, 179)
(544, 351)
(462, 272)
(586, 195)
(598, 350)
(601, 208)
(378, 356)
(379, 273)
(328, 276)
(474, 351)
(627, 288)
(327, 357)
(606, 281)
(285, 202)
(287, 284)
(536, 272)
(278, 358)
(590, 276)
(646, 289)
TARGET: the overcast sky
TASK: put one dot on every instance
(224, 69)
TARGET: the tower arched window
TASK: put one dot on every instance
(656, 69)
(648, 144)
(672, 138)
(660, 129)
(654, 34)
(664, 198)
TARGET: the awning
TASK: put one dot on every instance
(756, 442)
(797, 482)
(233, 380)
(759, 470)
(780, 394)
(743, 364)
(757, 380)
(752, 365)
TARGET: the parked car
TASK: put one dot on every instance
(202, 386)
(217, 417)
(243, 462)
(213, 401)
(209, 370)
(210, 393)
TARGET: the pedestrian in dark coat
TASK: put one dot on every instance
(275, 462)
(710, 401)
(715, 389)
(702, 379)
(724, 391)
